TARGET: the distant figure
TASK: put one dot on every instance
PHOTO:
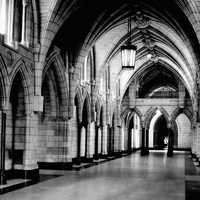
(166, 141)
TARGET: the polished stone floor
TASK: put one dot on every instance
(133, 177)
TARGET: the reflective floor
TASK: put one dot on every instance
(133, 177)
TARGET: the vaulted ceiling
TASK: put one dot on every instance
(167, 31)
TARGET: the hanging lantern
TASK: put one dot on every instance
(128, 51)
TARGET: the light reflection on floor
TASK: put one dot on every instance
(133, 177)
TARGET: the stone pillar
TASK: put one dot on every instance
(91, 140)
(93, 86)
(194, 145)
(170, 141)
(147, 141)
(96, 142)
(105, 152)
(193, 138)
(181, 97)
(71, 139)
(99, 140)
(132, 94)
(71, 89)
(83, 143)
(198, 140)
(30, 157)
(117, 139)
(127, 137)
(143, 151)
(2, 148)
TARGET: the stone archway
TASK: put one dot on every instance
(160, 135)
(53, 120)
(16, 137)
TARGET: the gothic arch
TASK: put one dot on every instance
(20, 67)
(55, 62)
(151, 112)
(185, 111)
(131, 114)
(88, 104)
(4, 83)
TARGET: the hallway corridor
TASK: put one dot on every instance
(133, 177)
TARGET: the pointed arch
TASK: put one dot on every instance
(87, 100)
(55, 63)
(4, 83)
(19, 109)
(131, 114)
(151, 112)
(178, 111)
(20, 67)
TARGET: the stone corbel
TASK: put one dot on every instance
(141, 20)
(38, 102)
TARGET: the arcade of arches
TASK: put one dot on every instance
(64, 98)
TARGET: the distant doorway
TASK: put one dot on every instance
(160, 139)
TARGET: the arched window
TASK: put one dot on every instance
(88, 72)
(13, 17)
(3, 4)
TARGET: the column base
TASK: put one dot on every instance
(2, 178)
(24, 174)
(170, 152)
(144, 152)
(88, 160)
(55, 165)
(96, 156)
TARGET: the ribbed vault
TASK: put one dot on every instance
(163, 30)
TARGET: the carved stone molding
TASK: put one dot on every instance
(9, 58)
(141, 20)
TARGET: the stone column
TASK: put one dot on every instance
(181, 92)
(83, 143)
(170, 141)
(132, 94)
(117, 139)
(143, 151)
(198, 140)
(105, 152)
(71, 142)
(71, 89)
(194, 145)
(30, 157)
(91, 140)
(2, 148)
(96, 142)
(193, 138)
(127, 137)
(147, 141)
(99, 140)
